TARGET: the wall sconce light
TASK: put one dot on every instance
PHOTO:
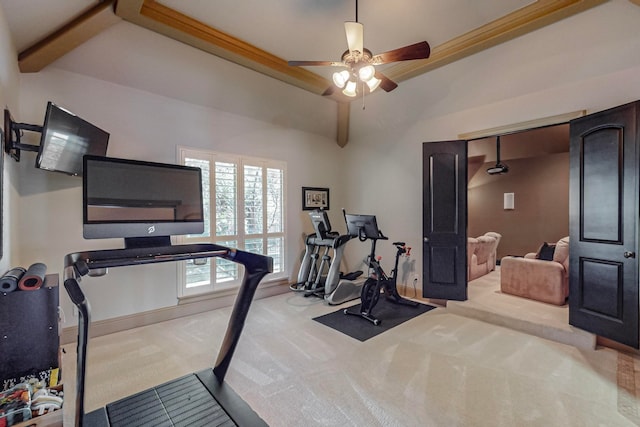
(509, 203)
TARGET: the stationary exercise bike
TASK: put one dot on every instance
(366, 227)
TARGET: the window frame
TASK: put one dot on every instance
(240, 236)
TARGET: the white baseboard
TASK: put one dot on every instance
(123, 323)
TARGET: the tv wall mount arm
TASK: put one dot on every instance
(13, 133)
(96, 263)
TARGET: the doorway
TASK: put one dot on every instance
(603, 208)
(537, 183)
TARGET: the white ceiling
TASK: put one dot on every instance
(314, 29)
(31, 20)
(292, 29)
(287, 29)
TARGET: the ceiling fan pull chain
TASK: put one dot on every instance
(363, 104)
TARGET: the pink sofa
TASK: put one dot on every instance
(481, 254)
(541, 280)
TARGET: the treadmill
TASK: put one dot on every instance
(198, 399)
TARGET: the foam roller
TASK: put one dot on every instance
(9, 282)
(33, 277)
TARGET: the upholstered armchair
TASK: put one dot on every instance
(493, 256)
(538, 279)
(481, 253)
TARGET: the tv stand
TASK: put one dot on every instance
(206, 386)
(13, 132)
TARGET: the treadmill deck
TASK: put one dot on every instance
(181, 402)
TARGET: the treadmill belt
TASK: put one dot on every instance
(181, 402)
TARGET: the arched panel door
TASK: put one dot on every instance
(603, 209)
(444, 222)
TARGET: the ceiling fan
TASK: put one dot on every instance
(360, 63)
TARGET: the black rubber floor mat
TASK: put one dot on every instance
(390, 315)
(181, 402)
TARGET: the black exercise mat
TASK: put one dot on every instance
(390, 315)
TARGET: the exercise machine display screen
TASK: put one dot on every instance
(129, 199)
(362, 226)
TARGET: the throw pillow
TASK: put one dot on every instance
(546, 252)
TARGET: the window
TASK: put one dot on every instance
(243, 205)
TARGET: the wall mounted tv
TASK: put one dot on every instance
(66, 138)
(140, 201)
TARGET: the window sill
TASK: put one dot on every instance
(204, 296)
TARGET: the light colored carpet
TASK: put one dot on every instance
(439, 369)
(486, 302)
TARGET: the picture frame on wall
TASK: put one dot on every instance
(315, 198)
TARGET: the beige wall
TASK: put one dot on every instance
(147, 126)
(9, 82)
(541, 187)
(379, 171)
(576, 67)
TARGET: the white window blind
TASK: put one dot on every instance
(244, 209)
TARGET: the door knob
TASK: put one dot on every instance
(628, 254)
(425, 239)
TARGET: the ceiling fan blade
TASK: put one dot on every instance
(415, 51)
(386, 83)
(355, 36)
(314, 63)
(330, 90)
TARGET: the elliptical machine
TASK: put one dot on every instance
(365, 227)
(319, 274)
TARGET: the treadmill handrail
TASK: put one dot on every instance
(79, 264)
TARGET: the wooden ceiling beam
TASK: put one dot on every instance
(344, 110)
(178, 26)
(159, 18)
(508, 27)
(68, 37)
(154, 16)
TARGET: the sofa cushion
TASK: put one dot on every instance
(546, 252)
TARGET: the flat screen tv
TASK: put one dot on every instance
(65, 139)
(134, 199)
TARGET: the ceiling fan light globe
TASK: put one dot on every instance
(350, 90)
(341, 78)
(366, 73)
(373, 83)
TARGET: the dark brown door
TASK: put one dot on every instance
(603, 209)
(444, 221)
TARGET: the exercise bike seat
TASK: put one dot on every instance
(398, 243)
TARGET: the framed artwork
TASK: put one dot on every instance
(315, 198)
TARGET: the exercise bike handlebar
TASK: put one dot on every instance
(363, 235)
